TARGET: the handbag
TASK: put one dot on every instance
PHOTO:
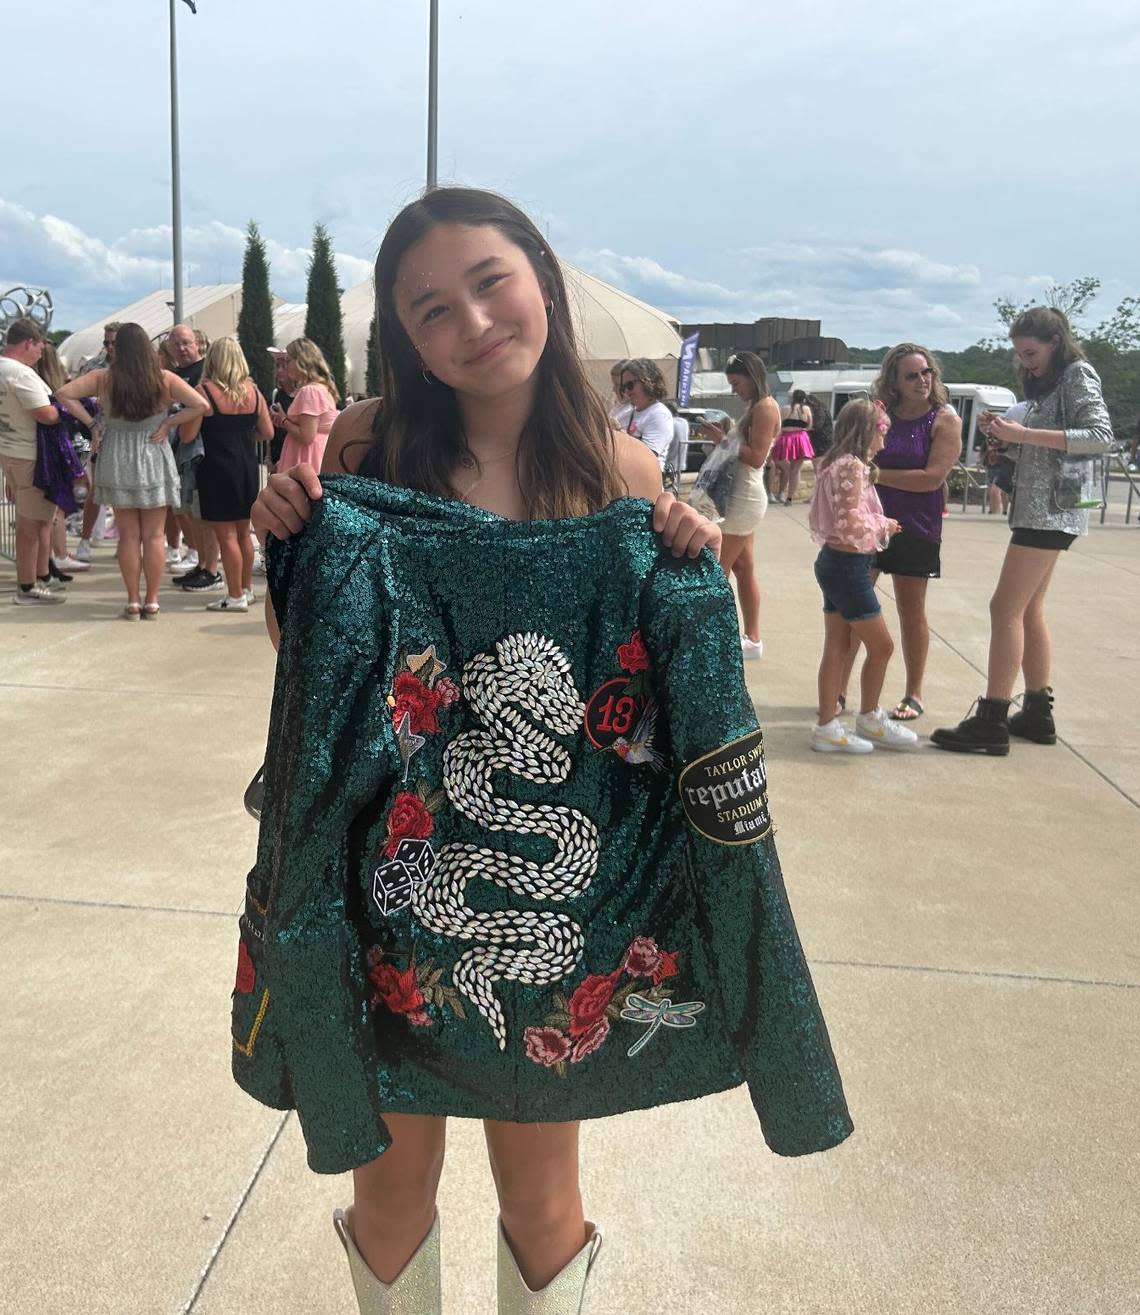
(716, 476)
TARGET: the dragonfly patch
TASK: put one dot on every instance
(657, 1014)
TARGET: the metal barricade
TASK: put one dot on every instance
(7, 527)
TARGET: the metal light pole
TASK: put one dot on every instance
(433, 94)
(175, 169)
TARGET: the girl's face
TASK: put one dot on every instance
(914, 376)
(741, 385)
(1034, 355)
(632, 390)
(473, 308)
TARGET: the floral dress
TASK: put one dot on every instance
(516, 858)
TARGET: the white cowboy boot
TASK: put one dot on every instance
(414, 1291)
(565, 1294)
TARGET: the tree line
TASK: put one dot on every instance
(1112, 346)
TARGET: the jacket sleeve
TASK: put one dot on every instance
(753, 964)
(1088, 428)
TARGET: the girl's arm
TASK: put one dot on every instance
(762, 433)
(86, 385)
(863, 528)
(1089, 427)
(190, 432)
(264, 427)
(195, 403)
(945, 449)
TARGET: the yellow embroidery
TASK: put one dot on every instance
(247, 1049)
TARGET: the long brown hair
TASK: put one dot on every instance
(855, 428)
(50, 368)
(566, 463)
(135, 388)
(749, 366)
(1046, 323)
(886, 386)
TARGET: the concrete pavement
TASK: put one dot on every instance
(972, 927)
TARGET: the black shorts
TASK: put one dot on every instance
(1052, 540)
(907, 554)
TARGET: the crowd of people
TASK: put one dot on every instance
(163, 442)
(676, 890)
(878, 507)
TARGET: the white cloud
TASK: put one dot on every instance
(88, 277)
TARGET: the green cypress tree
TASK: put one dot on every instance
(255, 323)
(372, 360)
(323, 323)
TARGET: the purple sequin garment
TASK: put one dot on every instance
(57, 466)
(908, 448)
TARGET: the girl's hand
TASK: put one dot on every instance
(893, 527)
(284, 505)
(710, 430)
(683, 528)
(1007, 431)
(160, 435)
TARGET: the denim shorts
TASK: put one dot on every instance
(845, 580)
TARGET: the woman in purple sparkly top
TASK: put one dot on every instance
(923, 443)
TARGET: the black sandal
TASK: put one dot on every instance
(908, 709)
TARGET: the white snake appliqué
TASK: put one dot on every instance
(536, 947)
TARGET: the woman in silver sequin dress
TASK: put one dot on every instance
(1056, 482)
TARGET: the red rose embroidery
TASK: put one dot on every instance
(546, 1045)
(589, 1002)
(399, 991)
(422, 704)
(408, 819)
(246, 973)
(421, 1018)
(447, 691)
(642, 957)
(590, 1041)
(632, 657)
(666, 967)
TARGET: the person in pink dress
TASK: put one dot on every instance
(846, 518)
(792, 448)
(312, 410)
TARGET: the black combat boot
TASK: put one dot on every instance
(1035, 720)
(987, 731)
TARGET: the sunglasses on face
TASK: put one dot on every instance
(915, 375)
(628, 385)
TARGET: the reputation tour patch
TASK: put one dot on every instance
(725, 794)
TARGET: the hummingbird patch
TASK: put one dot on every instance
(621, 715)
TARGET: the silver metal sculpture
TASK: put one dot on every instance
(27, 303)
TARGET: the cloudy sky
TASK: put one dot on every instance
(889, 169)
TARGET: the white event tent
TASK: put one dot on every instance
(610, 325)
(213, 308)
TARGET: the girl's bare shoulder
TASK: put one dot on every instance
(637, 466)
(349, 437)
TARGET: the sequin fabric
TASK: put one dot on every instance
(477, 891)
(1076, 406)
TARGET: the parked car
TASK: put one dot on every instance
(699, 447)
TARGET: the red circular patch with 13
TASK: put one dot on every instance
(612, 713)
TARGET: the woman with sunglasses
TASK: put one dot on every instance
(649, 419)
(922, 444)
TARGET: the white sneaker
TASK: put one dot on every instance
(71, 565)
(186, 566)
(83, 551)
(228, 604)
(751, 648)
(173, 556)
(258, 565)
(882, 731)
(37, 596)
(250, 596)
(834, 738)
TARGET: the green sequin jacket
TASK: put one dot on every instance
(515, 858)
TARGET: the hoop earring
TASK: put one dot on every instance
(549, 309)
(428, 377)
